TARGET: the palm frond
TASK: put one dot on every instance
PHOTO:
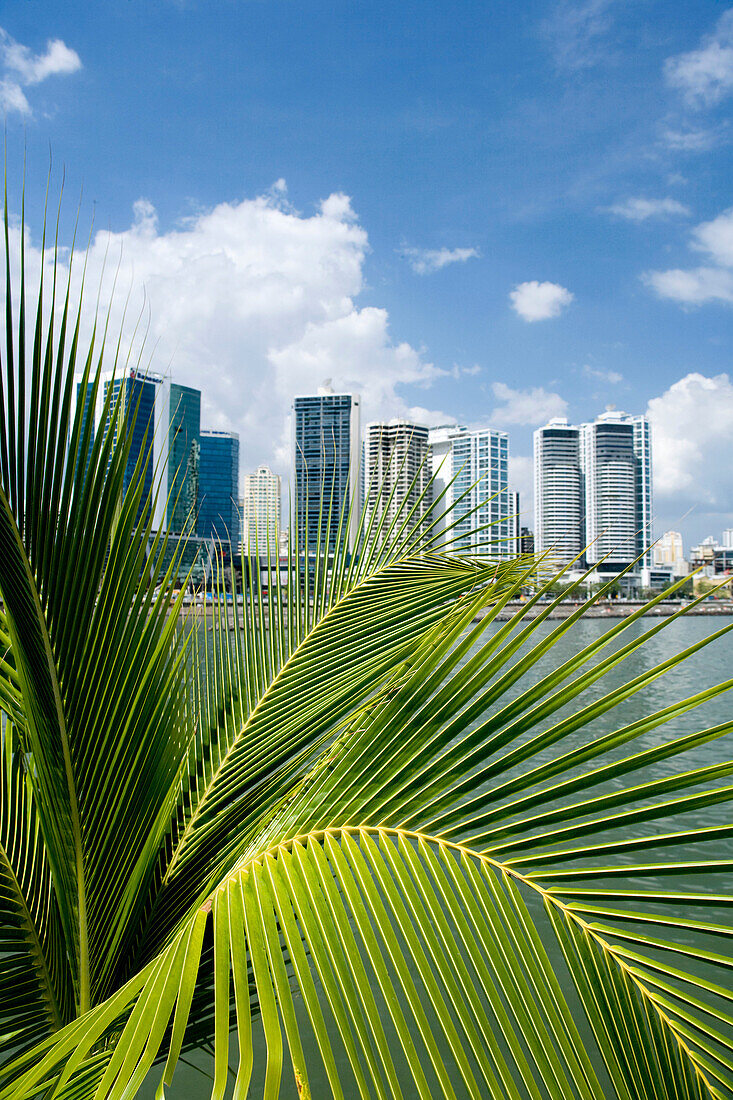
(401, 845)
(35, 993)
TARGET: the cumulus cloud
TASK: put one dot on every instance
(692, 287)
(530, 407)
(711, 282)
(692, 424)
(24, 68)
(425, 260)
(705, 76)
(638, 210)
(535, 301)
(253, 302)
(611, 376)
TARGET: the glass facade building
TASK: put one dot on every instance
(471, 480)
(87, 397)
(184, 454)
(132, 414)
(218, 514)
(480, 465)
(326, 442)
(135, 409)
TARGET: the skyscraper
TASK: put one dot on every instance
(261, 513)
(470, 471)
(135, 411)
(326, 441)
(558, 491)
(396, 472)
(608, 462)
(165, 424)
(593, 490)
(218, 515)
(184, 455)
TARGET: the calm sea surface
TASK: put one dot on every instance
(707, 668)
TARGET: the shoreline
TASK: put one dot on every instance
(612, 609)
(617, 609)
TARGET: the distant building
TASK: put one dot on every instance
(137, 413)
(218, 515)
(593, 492)
(261, 513)
(184, 456)
(526, 541)
(326, 447)
(559, 526)
(396, 473)
(470, 471)
(669, 550)
(515, 530)
(164, 422)
(711, 557)
(608, 464)
(728, 538)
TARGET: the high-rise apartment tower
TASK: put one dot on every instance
(326, 445)
(261, 513)
(470, 471)
(593, 491)
(396, 473)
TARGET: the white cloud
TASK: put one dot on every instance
(611, 376)
(33, 68)
(531, 407)
(690, 140)
(253, 302)
(425, 260)
(576, 30)
(712, 281)
(705, 76)
(12, 98)
(693, 287)
(24, 68)
(457, 371)
(535, 301)
(692, 424)
(638, 210)
(716, 238)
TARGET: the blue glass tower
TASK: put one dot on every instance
(326, 461)
(184, 446)
(219, 486)
(137, 412)
(86, 412)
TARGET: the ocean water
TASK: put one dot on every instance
(708, 667)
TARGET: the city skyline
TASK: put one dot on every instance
(578, 511)
(506, 219)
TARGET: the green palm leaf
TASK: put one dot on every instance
(402, 846)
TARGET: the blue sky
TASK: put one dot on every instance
(487, 212)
